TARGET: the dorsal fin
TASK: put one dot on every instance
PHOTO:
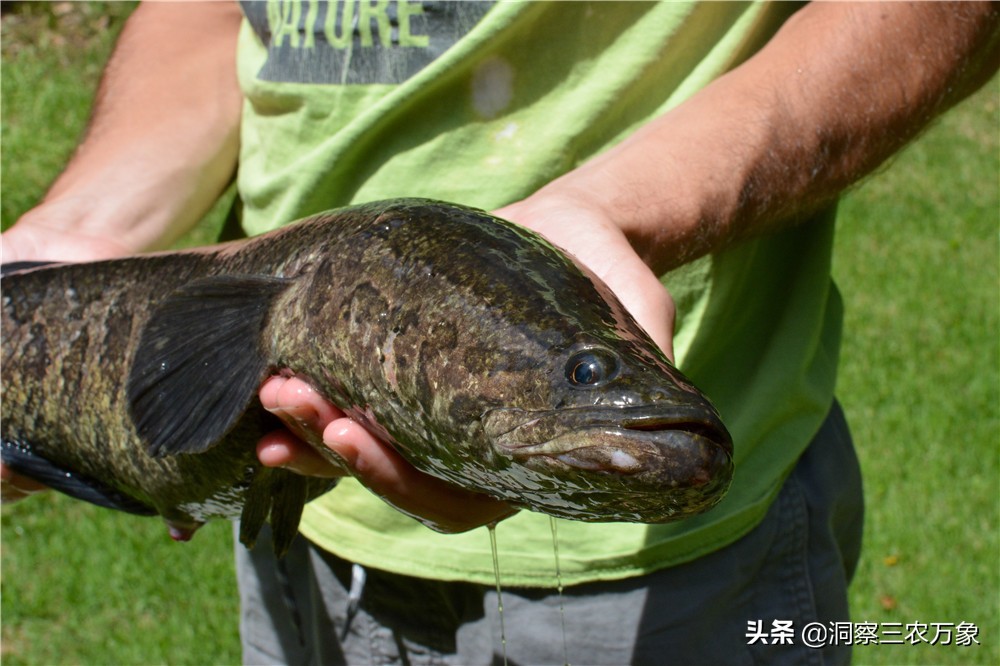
(200, 361)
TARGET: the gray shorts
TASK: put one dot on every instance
(795, 566)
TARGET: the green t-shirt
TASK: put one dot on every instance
(482, 104)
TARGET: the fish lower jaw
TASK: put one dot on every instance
(673, 457)
(623, 475)
(617, 461)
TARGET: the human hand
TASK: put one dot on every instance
(310, 418)
(31, 239)
(587, 233)
(14, 487)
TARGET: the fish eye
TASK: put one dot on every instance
(591, 367)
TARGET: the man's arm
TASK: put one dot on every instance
(160, 148)
(836, 92)
(161, 144)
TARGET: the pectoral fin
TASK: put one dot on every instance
(280, 495)
(287, 502)
(200, 361)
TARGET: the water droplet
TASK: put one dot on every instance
(559, 586)
(496, 572)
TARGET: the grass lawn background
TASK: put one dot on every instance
(918, 262)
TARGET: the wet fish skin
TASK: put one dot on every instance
(442, 376)
(69, 337)
(484, 355)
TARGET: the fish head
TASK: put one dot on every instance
(624, 437)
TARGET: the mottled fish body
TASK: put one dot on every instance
(485, 356)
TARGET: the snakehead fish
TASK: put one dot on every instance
(483, 354)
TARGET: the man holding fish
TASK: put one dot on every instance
(695, 146)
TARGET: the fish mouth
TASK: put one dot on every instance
(641, 464)
(705, 425)
(530, 432)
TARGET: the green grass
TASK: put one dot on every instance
(51, 65)
(917, 259)
(82, 585)
(918, 263)
(53, 56)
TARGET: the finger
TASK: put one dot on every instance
(436, 503)
(304, 411)
(281, 448)
(14, 487)
(305, 414)
(9, 493)
(643, 295)
(653, 307)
